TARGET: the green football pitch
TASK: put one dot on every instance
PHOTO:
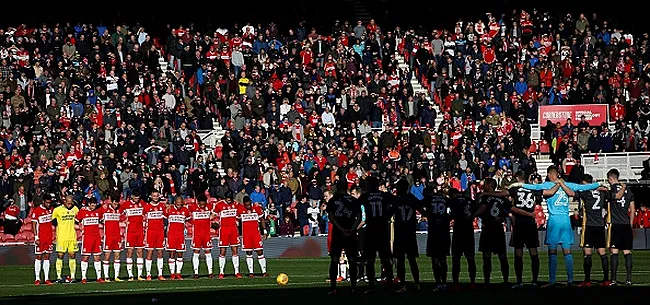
(307, 284)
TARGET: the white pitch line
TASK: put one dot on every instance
(149, 289)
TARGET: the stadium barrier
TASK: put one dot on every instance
(629, 164)
(305, 247)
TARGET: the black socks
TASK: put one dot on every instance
(628, 267)
(605, 265)
(586, 265)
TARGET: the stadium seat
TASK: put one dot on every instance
(544, 147)
(29, 236)
(8, 238)
(26, 227)
(20, 237)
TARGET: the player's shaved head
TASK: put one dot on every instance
(614, 173)
(612, 176)
(489, 185)
(552, 172)
(586, 178)
(521, 176)
(247, 202)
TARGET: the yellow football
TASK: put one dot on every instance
(282, 279)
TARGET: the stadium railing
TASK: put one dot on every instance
(629, 164)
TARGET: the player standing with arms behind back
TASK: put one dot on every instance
(405, 242)
(89, 217)
(378, 213)
(462, 244)
(558, 228)
(64, 217)
(436, 208)
(344, 213)
(621, 217)
(177, 216)
(252, 216)
(42, 228)
(133, 208)
(112, 238)
(200, 215)
(154, 215)
(524, 228)
(228, 233)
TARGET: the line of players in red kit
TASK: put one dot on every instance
(155, 227)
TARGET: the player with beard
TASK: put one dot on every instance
(405, 242)
(344, 212)
(462, 244)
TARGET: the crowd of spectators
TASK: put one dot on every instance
(91, 111)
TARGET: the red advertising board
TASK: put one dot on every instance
(595, 114)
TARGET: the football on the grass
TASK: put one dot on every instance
(282, 279)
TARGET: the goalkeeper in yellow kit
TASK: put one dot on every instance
(64, 217)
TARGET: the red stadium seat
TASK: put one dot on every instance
(544, 147)
(8, 238)
(29, 236)
(21, 237)
(26, 227)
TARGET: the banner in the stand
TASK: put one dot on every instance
(595, 114)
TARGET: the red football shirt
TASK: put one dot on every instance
(134, 215)
(89, 221)
(250, 219)
(154, 214)
(176, 218)
(43, 219)
(111, 219)
(227, 213)
(200, 219)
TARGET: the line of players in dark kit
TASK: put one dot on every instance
(360, 223)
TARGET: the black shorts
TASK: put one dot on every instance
(621, 237)
(405, 243)
(438, 243)
(463, 243)
(493, 240)
(377, 240)
(593, 237)
(341, 242)
(524, 235)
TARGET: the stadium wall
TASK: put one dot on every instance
(292, 247)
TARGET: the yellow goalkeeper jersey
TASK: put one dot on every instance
(65, 219)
